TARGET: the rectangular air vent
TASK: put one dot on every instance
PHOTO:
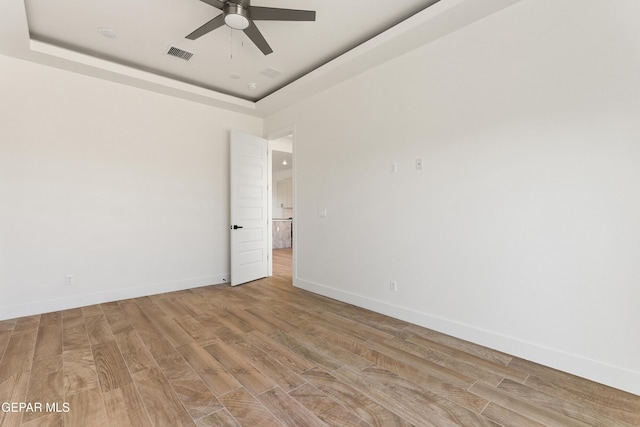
(271, 72)
(179, 53)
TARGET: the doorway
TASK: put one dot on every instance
(282, 204)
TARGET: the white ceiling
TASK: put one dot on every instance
(346, 39)
(146, 29)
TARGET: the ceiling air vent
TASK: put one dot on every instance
(271, 72)
(179, 53)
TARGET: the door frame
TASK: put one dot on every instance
(277, 134)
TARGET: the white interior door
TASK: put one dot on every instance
(249, 208)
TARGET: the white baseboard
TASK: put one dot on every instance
(613, 376)
(65, 303)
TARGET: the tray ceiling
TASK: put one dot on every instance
(139, 34)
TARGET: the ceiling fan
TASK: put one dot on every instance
(239, 15)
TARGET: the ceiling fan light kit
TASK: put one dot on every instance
(239, 15)
(235, 16)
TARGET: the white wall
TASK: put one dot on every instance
(123, 188)
(522, 231)
(277, 211)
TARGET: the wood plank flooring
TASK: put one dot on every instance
(267, 354)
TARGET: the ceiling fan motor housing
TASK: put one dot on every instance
(243, 3)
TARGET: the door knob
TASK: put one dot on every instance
(235, 227)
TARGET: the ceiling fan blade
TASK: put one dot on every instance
(256, 37)
(214, 3)
(216, 22)
(258, 13)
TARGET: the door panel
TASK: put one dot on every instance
(249, 208)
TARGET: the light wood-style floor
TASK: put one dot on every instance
(268, 354)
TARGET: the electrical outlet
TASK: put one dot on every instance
(68, 280)
(393, 286)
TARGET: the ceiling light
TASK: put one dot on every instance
(108, 33)
(284, 163)
(235, 16)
